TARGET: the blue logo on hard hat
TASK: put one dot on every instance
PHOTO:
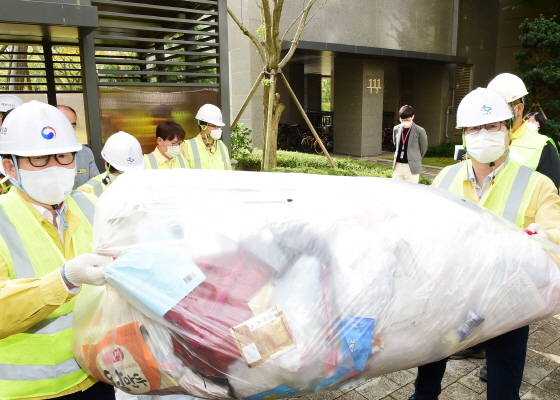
(486, 109)
(48, 132)
(130, 160)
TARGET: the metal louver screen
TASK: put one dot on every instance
(407, 86)
(145, 43)
(28, 68)
(462, 83)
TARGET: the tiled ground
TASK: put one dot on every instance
(541, 380)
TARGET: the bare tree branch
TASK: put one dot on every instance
(295, 40)
(248, 34)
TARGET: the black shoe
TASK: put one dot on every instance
(483, 373)
(411, 397)
(468, 353)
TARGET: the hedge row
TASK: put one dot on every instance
(289, 161)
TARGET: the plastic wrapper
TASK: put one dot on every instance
(262, 285)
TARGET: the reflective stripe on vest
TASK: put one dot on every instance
(154, 163)
(527, 149)
(196, 153)
(96, 185)
(87, 207)
(516, 195)
(516, 184)
(10, 372)
(19, 256)
(48, 326)
(450, 175)
(27, 368)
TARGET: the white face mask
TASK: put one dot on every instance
(485, 146)
(406, 124)
(48, 186)
(173, 151)
(216, 134)
(533, 126)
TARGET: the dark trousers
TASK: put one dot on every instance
(505, 357)
(99, 391)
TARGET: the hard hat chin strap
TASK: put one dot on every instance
(16, 182)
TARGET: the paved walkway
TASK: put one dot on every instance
(386, 159)
(541, 379)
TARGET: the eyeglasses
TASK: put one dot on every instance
(41, 161)
(173, 144)
(73, 124)
(492, 127)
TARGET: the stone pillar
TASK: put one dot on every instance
(358, 106)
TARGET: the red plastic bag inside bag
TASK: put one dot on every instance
(205, 316)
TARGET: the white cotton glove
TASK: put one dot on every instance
(536, 229)
(84, 269)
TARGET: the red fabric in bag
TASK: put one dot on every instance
(205, 316)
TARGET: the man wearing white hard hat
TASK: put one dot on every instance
(527, 198)
(207, 151)
(7, 103)
(45, 244)
(528, 147)
(122, 152)
(85, 161)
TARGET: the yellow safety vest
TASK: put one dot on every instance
(150, 162)
(527, 149)
(95, 185)
(39, 361)
(511, 191)
(199, 158)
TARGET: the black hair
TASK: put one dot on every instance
(5, 113)
(112, 169)
(169, 130)
(406, 111)
(538, 117)
(69, 108)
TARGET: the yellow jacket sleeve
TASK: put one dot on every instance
(25, 302)
(545, 207)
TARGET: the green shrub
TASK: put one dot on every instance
(441, 150)
(290, 161)
(241, 140)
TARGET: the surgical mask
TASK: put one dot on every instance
(47, 186)
(406, 124)
(533, 126)
(486, 147)
(216, 134)
(173, 151)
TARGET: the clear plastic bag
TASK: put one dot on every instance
(248, 285)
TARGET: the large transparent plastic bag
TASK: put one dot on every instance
(263, 285)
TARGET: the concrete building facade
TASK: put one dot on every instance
(381, 54)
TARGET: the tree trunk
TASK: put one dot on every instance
(270, 140)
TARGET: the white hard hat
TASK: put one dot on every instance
(36, 129)
(9, 102)
(123, 152)
(482, 106)
(510, 86)
(211, 114)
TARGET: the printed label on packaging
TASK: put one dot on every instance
(123, 360)
(469, 325)
(263, 337)
(129, 274)
(278, 393)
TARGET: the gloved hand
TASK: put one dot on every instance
(84, 269)
(536, 229)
